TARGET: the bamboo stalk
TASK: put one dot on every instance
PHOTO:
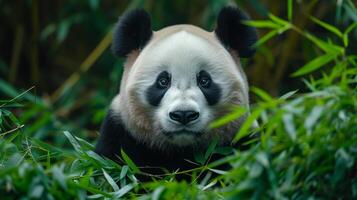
(89, 61)
(35, 75)
(16, 52)
(84, 67)
(292, 42)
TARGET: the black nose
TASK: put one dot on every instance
(184, 117)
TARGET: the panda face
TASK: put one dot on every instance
(180, 83)
(184, 104)
(179, 79)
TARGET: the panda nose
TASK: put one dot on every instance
(184, 117)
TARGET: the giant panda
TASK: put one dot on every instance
(176, 81)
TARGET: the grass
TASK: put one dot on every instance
(307, 148)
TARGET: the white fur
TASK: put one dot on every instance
(183, 55)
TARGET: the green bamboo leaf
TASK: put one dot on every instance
(63, 30)
(244, 130)
(157, 193)
(263, 159)
(211, 148)
(327, 47)
(59, 176)
(85, 180)
(327, 26)
(261, 93)
(48, 160)
(314, 64)
(288, 95)
(350, 28)
(223, 150)
(262, 24)
(351, 10)
(199, 157)
(110, 181)
(290, 9)
(266, 37)
(129, 162)
(345, 40)
(278, 20)
(92, 190)
(124, 190)
(124, 171)
(7, 89)
(314, 115)
(228, 118)
(289, 125)
(73, 141)
(217, 171)
(347, 31)
(84, 143)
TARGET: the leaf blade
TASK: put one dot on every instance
(327, 26)
(314, 64)
(129, 162)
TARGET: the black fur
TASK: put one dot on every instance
(212, 93)
(115, 137)
(132, 31)
(234, 34)
(155, 93)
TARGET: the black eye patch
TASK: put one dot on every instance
(158, 89)
(209, 88)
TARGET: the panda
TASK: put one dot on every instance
(176, 81)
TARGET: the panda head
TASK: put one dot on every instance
(181, 78)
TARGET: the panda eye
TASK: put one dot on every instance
(204, 81)
(163, 80)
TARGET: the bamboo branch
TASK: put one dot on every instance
(84, 67)
(288, 49)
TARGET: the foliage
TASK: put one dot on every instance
(307, 146)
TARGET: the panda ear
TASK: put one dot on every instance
(234, 34)
(132, 32)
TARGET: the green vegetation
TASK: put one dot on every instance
(307, 148)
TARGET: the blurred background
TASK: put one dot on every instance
(62, 49)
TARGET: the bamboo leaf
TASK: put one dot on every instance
(290, 9)
(314, 64)
(110, 181)
(228, 118)
(347, 31)
(267, 37)
(73, 141)
(129, 162)
(278, 20)
(85, 180)
(124, 190)
(124, 171)
(327, 26)
(313, 117)
(211, 148)
(288, 95)
(327, 47)
(289, 126)
(262, 24)
(261, 93)
(244, 130)
(350, 28)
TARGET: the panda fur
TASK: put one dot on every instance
(161, 115)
